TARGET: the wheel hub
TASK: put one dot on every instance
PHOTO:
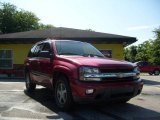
(61, 93)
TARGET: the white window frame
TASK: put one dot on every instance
(11, 67)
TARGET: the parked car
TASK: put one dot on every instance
(78, 72)
(148, 68)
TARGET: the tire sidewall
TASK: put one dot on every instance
(67, 105)
(30, 86)
(156, 72)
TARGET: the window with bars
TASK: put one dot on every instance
(6, 59)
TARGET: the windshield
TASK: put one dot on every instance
(77, 48)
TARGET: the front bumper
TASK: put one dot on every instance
(106, 91)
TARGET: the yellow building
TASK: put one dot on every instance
(14, 47)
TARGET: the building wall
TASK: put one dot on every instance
(20, 51)
(117, 49)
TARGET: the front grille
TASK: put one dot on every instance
(116, 79)
(119, 70)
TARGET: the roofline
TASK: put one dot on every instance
(124, 41)
(59, 33)
(61, 29)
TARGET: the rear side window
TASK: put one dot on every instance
(38, 49)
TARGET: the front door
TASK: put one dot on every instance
(46, 64)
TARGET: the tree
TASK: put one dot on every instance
(130, 53)
(133, 53)
(7, 17)
(142, 52)
(127, 54)
(90, 30)
(145, 51)
(26, 21)
(156, 47)
(42, 26)
(12, 20)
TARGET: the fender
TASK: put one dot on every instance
(71, 74)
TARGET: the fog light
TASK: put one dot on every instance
(89, 91)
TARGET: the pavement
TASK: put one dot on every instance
(17, 104)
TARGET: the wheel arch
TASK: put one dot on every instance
(61, 71)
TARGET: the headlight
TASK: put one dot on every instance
(137, 71)
(89, 74)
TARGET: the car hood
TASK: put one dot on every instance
(97, 62)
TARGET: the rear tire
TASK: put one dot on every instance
(30, 85)
(63, 95)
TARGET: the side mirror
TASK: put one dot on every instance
(44, 54)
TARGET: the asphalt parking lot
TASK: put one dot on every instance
(16, 104)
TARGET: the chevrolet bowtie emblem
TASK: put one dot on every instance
(120, 75)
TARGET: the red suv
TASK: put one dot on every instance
(148, 68)
(78, 72)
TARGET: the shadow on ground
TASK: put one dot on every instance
(12, 79)
(150, 82)
(43, 96)
(126, 111)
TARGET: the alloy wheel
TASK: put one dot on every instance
(61, 93)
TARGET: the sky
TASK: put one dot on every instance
(135, 18)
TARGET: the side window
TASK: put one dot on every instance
(141, 64)
(46, 47)
(41, 50)
(45, 51)
(35, 50)
(31, 52)
(146, 63)
(38, 48)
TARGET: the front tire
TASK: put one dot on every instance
(156, 72)
(30, 85)
(63, 96)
